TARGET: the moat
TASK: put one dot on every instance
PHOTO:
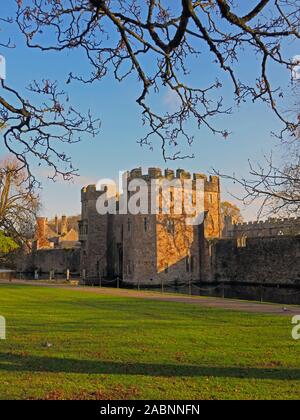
(272, 294)
(266, 293)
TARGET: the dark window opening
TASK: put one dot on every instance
(187, 264)
(192, 264)
(171, 227)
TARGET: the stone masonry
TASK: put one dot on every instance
(55, 247)
(263, 229)
(56, 233)
(261, 261)
(154, 249)
(148, 248)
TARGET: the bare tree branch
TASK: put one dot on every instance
(41, 131)
(39, 126)
(275, 186)
(156, 41)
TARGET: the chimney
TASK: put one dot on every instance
(41, 227)
(56, 224)
(64, 225)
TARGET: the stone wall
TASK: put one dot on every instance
(46, 260)
(269, 228)
(93, 235)
(60, 260)
(177, 256)
(56, 233)
(272, 261)
(139, 249)
(148, 248)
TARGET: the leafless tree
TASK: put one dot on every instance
(158, 39)
(40, 125)
(276, 185)
(276, 188)
(8, 43)
(18, 204)
(40, 131)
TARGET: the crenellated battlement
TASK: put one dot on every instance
(88, 188)
(90, 193)
(266, 228)
(269, 223)
(211, 184)
(142, 229)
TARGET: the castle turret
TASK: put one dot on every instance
(93, 235)
(147, 246)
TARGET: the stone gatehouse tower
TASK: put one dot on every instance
(149, 248)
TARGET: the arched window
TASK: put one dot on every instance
(242, 241)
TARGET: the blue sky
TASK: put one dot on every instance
(116, 148)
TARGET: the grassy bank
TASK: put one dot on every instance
(72, 344)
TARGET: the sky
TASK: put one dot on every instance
(116, 148)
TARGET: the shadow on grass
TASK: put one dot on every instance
(19, 363)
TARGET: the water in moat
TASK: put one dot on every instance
(287, 296)
(273, 294)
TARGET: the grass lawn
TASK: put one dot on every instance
(108, 347)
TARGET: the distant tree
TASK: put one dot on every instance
(229, 209)
(7, 244)
(18, 205)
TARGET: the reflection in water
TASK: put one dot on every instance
(283, 295)
(244, 292)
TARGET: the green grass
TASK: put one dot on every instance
(106, 347)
